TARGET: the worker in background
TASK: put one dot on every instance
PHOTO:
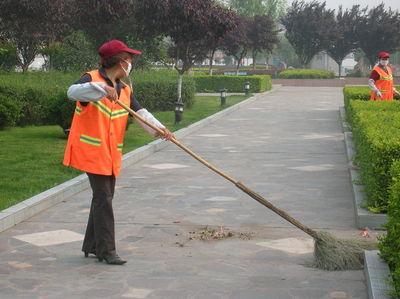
(381, 80)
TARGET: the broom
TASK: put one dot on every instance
(330, 252)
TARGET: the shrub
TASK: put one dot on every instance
(9, 112)
(389, 245)
(376, 133)
(42, 96)
(75, 53)
(350, 93)
(206, 83)
(8, 56)
(158, 91)
(306, 74)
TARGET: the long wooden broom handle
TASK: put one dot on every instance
(238, 184)
(174, 140)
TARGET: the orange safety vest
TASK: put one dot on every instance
(97, 134)
(384, 84)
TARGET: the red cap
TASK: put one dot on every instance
(113, 47)
(383, 54)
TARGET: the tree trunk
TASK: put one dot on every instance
(180, 77)
(340, 68)
(254, 59)
(237, 67)
(210, 71)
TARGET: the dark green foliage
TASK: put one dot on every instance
(306, 74)
(158, 90)
(9, 111)
(309, 28)
(376, 133)
(8, 56)
(43, 101)
(75, 54)
(389, 245)
(205, 83)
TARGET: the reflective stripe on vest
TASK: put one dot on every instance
(384, 84)
(97, 133)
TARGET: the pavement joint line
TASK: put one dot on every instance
(364, 218)
(189, 225)
(48, 198)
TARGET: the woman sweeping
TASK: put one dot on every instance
(96, 139)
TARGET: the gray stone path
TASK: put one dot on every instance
(287, 146)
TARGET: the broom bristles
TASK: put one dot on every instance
(335, 254)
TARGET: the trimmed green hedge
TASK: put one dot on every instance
(306, 74)
(362, 93)
(157, 90)
(376, 134)
(258, 83)
(39, 98)
(389, 245)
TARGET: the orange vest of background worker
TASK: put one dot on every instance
(381, 80)
(98, 130)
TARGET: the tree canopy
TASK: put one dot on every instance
(309, 28)
(378, 30)
(345, 39)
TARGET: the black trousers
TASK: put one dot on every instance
(100, 233)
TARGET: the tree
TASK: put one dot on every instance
(251, 8)
(236, 43)
(346, 39)
(285, 52)
(75, 53)
(378, 30)
(262, 35)
(103, 20)
(309, 28)
(192, 25)
(29, 26)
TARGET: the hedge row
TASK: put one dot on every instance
(40, 98)
(376, 134)
(258, 83)
(306, 74)
(389, 245)
(362, 93)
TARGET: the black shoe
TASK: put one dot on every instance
(112, 259)
(89, 252)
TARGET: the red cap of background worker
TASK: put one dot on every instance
(383, 54)
(113, 47)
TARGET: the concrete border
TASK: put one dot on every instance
(29, 207)
(376, 275)
(364, 218)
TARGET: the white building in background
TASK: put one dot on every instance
(37, 63)
(323, 61)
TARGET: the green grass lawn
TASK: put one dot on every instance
(31, 157)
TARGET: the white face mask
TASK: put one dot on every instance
(129, 69)
(383, 62)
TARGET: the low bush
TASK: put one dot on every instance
(389, 244)
(157, 90)
(43, 101)
(376, 134)
(9, 112)
(258, 83)
(350, 93)
(306, 74)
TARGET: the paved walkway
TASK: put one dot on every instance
(287, 146)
